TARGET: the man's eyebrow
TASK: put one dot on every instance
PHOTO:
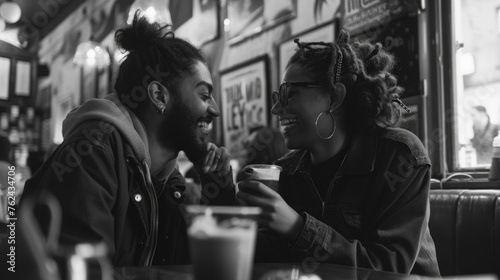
(208, 85)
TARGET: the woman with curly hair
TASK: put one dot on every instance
(355, 189)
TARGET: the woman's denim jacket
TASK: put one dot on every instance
(375, 214)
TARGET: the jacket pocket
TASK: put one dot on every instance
(352, 214)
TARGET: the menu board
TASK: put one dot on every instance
(368, 16)
(394, 24)
(401, 39)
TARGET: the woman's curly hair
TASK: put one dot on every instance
(364, 69)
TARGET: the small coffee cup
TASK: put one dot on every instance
(268, 174)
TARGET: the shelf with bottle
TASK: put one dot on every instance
(22, 125)
(494, 174)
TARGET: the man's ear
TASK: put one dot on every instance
(159, 95)
(339, 95)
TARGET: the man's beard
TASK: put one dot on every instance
(180, 131)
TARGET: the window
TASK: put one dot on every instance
(476, 82)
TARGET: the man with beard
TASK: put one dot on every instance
(115, 174)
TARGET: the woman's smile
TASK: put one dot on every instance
(288, 123)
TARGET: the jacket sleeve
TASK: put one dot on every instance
(391, 238)
(83, 178)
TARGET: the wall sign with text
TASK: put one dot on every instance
(244, 99)
(368, 16)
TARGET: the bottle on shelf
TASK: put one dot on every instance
(467, 156)
(495, 160)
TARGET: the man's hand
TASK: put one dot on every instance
(215, 160)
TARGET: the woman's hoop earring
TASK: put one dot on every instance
(334, 125)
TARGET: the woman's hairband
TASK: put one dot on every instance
(397, 100)
(372, 53)
(339, 65)
(336, 56)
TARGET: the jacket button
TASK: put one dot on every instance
(138, 197)
(177, 195)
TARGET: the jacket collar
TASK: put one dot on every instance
(361, 155)
(360, 158)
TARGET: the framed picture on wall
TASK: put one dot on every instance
(23, 78)
(195, 20)
(4, 77)
(247, 18)
(245, 101)
(324, 32)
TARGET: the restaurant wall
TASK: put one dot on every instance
(68, 85)
(395, 24)
(262, 42)
(62, 86)
(19, 120)
(246, 55)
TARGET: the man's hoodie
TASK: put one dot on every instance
(111, 111)
(108, 112)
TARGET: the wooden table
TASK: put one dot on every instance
(324, 271)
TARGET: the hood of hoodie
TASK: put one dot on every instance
(110, 110)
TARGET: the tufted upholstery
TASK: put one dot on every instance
(465, 226)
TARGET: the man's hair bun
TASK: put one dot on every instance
(141, 33)
(154, 54)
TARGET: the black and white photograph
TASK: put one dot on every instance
(250, 139)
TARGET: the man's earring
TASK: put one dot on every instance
(161, 111)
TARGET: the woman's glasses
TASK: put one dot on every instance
(282, 94)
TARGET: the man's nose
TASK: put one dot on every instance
(213, 109)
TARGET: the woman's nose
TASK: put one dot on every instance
(277, 109)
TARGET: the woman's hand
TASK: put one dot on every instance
(276, 215)
(215, 160)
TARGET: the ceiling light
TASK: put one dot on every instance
(91, 54)
(10, 11)
(153, 10)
